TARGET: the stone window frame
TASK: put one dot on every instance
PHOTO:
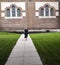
(49, 10)
(11, 11)
(40, 11)
(20, 11)
(54, 11)
(6, 11)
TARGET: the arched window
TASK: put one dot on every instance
(13, 11)
(51, 12)
(47, 10)
(8, 12)
(18, 12)
(42, 12)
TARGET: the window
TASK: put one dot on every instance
(18, 12)
(42, 12)
(8, 12)
(51, 12)
(47, 10)
(13, 11)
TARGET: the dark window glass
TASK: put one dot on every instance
(51, 12)
(13, 10)
(47, 10)
(29, 0)
(8, 12)
(42, 12)
(18, 12)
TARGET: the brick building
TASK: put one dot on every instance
(31, 14)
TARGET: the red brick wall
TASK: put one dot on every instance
(30, 21)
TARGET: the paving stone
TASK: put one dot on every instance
(17, 54)
(32, 60)
(18, 50)
(30, 53)
(15, 61)
(29, 46)
(30, 49)
(24, 53)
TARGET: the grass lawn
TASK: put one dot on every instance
(48, 47)
(7, 42)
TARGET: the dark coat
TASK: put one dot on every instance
(26, 33)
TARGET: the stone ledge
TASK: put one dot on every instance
(31, 31)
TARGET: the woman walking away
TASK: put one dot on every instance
(26, 33)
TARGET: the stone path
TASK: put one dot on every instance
(24, 53)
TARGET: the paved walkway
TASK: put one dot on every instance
(24, 53)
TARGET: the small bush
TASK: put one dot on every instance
(47, 30)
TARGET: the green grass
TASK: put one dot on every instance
(7, 42)
(48, 47)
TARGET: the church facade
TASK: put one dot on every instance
(31, 14)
